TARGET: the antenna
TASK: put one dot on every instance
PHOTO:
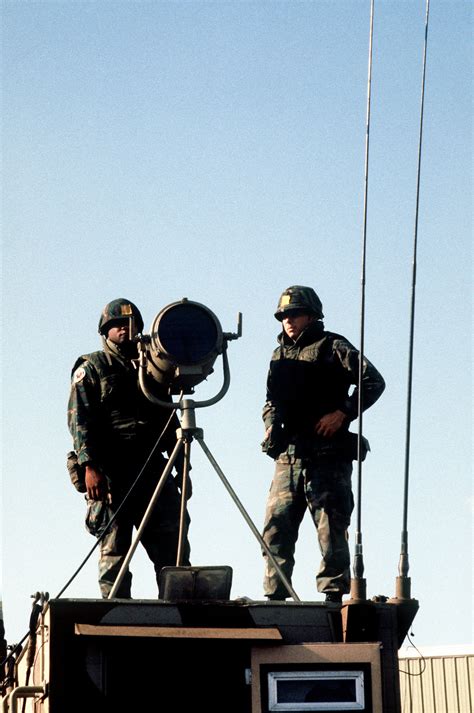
(403, 583)
(358, 583)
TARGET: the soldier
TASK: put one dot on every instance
(115, 429)
(307, 414)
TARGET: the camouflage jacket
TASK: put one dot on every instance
(109, 418)
(314, 376)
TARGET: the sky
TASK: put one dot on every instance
(215, 151)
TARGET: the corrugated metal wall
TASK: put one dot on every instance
(437, 684)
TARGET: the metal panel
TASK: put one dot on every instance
(437, 684)
(174, 632)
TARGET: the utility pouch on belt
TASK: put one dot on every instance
(276, 442)
(98, 516)
(76, 472)
(352, 446)
(341, 445)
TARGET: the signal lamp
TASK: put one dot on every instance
(185, 340)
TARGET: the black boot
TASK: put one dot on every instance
(335, 597)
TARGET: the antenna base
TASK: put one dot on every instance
(406, 610)
(359, 589)
(359, 616)
(403, 588)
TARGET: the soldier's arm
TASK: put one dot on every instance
(269, 415)
(96, 483)
(273, 440)
(82, 421)
(330, 423)
(373, 383)
(83, 410)
(271, 412)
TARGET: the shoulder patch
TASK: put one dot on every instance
(78, 375)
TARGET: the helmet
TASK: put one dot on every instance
(300, 298)
(119, 309)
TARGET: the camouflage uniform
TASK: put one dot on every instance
(115, 427)
(308, 378)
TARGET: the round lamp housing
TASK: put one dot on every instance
(185, 340)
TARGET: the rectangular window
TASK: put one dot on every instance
(316, 691)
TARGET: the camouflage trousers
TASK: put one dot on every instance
(323, 486)
(159, 538)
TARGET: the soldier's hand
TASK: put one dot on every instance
(96, 484)
(330, 423)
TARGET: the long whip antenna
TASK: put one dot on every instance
(403, 581)
(358, 584)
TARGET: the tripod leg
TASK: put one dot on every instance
(183, 528)
(247, 518)
(146, 517)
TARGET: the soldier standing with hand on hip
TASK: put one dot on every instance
(307, 413)
(115, 429)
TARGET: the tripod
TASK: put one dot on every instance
(186, 434)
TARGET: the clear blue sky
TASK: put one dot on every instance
(215, 150)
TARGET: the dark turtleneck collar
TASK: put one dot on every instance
(123, 352)
(312, 333)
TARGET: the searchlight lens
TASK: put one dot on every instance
(185, 340)
(187, 333)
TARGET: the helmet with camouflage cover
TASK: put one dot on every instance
(301, 299)
(119, 309)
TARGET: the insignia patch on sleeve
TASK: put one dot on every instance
(79, 374)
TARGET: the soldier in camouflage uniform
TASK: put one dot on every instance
(307, 414)
(114, 429)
